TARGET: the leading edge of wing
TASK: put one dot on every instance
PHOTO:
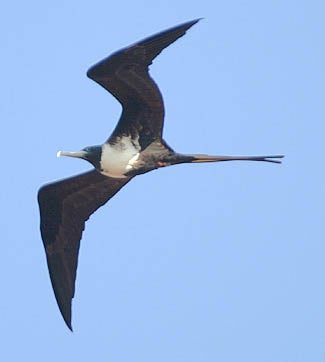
(64, 207)
(125, 74)
(152, 45)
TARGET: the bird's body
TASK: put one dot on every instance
(118, 159)
(135, 147)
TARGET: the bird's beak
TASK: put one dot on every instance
(78, 154)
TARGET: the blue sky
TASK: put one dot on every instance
(210, 262)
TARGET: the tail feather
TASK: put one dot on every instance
(207, 158)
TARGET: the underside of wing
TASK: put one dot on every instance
(125, 74)
(64, 208)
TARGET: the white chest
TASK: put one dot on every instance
(119, 158)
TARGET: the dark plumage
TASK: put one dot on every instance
(135, 147)
(65, 206)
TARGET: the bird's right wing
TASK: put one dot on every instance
(64, 208)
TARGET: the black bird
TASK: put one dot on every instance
(135, 147)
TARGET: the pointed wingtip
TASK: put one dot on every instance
(194, 21)
(189, 22)
(66, 314)
(69, 326)
(185, 26)
(152, 44)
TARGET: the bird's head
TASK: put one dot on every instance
(91, 154)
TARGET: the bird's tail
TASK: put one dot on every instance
(207, 158)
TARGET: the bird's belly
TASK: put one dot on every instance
(118, 159)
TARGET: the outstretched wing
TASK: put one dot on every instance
(125, 74)
(64, 208)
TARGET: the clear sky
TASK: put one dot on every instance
(209, 262)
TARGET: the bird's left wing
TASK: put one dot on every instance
(125, 74)
(64, 208)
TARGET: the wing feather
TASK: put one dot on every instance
(65, 206)
(125, 74)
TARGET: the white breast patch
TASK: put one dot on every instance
(119, 158)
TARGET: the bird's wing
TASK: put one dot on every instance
(125, 74)
(64, 208)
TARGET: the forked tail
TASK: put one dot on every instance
(207, 158)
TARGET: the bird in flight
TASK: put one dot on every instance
(135, 147)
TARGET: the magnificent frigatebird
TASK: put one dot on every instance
(135, 147)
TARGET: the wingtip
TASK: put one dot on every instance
(67, 320)
(65, 310)
(187, 25)
(194, 21)
(66, 315)
(154, 43)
